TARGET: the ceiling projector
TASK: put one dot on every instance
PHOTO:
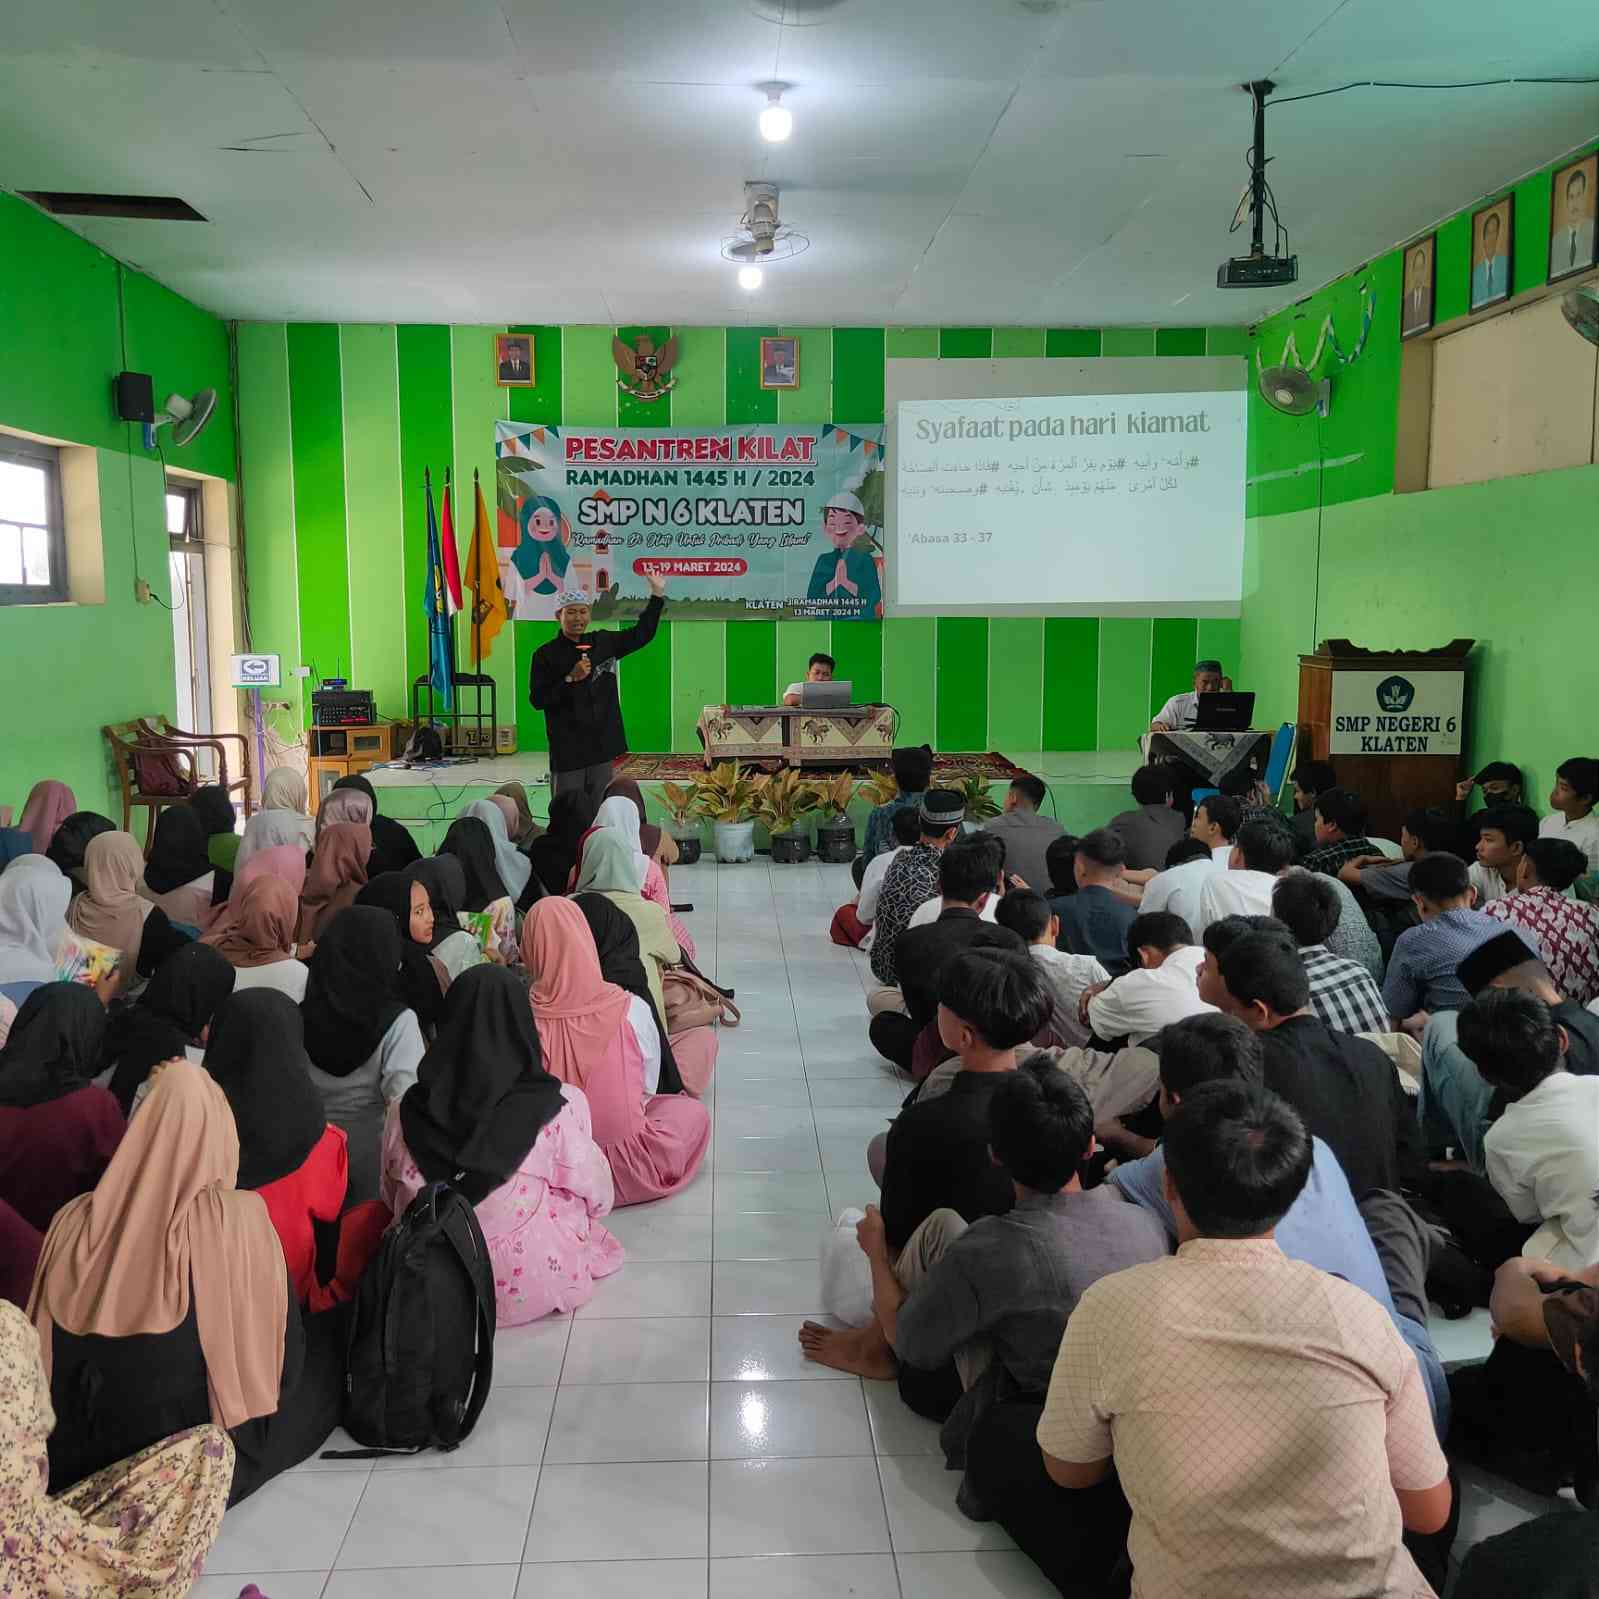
(1257, 271)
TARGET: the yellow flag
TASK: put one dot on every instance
(489, 613)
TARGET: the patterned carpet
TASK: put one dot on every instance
(947, 769)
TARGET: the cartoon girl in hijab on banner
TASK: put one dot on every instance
(536, 571)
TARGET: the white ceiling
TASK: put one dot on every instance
(1058, 162)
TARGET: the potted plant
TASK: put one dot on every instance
(780, 802)
(980, 802)
(835, 833)
(726, 794)
(878, 789)
(684, 824)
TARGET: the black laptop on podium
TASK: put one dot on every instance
(1224, 713)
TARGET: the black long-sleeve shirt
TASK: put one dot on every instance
(585, 719)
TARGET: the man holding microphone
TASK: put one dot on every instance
(572, 679)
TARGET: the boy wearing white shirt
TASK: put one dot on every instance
(1575, 792)
(1542, 1154)
(1164, 988)
(1027, 914)
(906, 826)
(1215, 824)
(1263, 850)
(1176, 888)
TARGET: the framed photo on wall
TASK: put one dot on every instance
(1416, 305)
(1571, 218)
(780, 363)
(1490, 253)
(513, 360)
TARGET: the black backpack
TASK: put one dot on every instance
(421, 1354)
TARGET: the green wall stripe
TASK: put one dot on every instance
(1530, 265)
(858, 649)
(1015, 683)
(747, 401)
(700, 398)
(646, 689)
(541, 400)
(1452, 267)
(372, 491)
(751, 663)
(1226, 341)
(1077, 343)
(1071, 682)
(1127, 341)
(1124, 650)
(1179, 341)
(268, 480)
(909, 668)
(911, 344)
(962, 709)
(965, 344)
(478, 401)
(796, 643)
(527, 637)
(1218, 638)
(1173, 651)
(316, 422)
(1010, 343)
(857, 375)
(426, 442)
(812, 401)
(635, 413)
(588, 378)
(699, 677)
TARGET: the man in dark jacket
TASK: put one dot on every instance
(572, 679)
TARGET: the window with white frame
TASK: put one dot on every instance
(33, 555)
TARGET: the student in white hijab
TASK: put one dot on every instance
(622, 815)
(513, 866)
(33, 923)
(282, 818)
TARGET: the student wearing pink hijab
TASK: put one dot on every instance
(49, 804)
(602, 1039)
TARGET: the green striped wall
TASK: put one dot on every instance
(338, 424)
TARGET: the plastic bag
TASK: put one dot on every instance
(846, 1273)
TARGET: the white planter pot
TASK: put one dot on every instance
(735, 841)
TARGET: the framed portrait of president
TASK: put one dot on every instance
(1571, 218)
(1419, 285)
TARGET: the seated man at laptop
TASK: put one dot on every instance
(819, 669)
(1181, 711)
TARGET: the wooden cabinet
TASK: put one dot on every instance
(342, 752)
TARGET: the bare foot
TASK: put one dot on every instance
(861, 1351)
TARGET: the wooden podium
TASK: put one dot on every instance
(1390, 721)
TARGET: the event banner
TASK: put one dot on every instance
(746, 523)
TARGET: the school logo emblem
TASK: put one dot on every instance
(1395, 694)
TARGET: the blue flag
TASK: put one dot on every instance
(435, 607)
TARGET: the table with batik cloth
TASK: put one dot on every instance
(1212, 755)
(791, 735)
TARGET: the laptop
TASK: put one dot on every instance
(834, 695)
(1224, 713)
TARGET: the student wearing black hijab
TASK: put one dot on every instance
(72, 839)
(213, 805)
(393, 848)
(363, 1040)
(407, 899)
(179, 873)
(554, 853)
(288, 1152)
(57, 1130)
(172, 1015)
(616, 939)
(485, 1110)
(453, 949)
(471, 843)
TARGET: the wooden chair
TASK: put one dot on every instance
(157, 766)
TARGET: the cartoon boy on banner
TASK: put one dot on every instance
(845, 575)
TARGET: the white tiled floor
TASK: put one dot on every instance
(669, 1439)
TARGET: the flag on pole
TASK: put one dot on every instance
(489, 611)
(452, 564)
(434, 601)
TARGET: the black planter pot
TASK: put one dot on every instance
(835, 842)
(688, 848)
(789, 849)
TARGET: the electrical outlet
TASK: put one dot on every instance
(141, 591)
(302, 671)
